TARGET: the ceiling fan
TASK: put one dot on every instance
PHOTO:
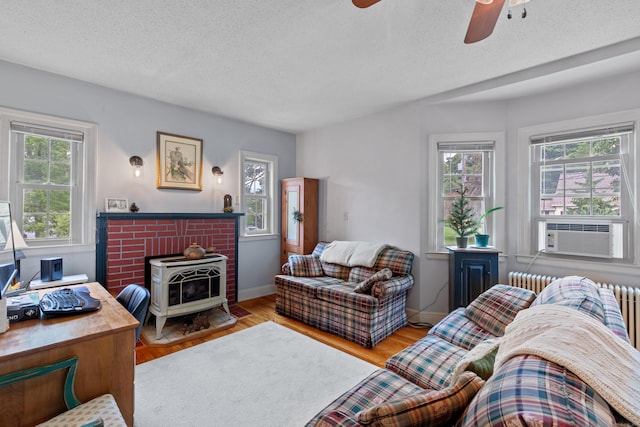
(483, 20)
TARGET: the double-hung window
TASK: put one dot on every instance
(53, 198)
(467, 160)
(258, 192)
(581, 180)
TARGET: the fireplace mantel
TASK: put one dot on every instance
(123, 241)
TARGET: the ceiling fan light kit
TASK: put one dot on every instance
(483, 20)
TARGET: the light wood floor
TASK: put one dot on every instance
(263, 309)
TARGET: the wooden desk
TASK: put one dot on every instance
(104, 343)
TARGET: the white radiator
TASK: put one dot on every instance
(628, 299)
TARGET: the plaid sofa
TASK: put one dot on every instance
(525, 391)
(362, 304)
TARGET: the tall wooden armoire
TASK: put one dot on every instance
(299, 217)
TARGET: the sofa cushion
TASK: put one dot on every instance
(336, 270)
(528, 391)
(612, 316)
(576, 292)
(365, 286)
(458, 329)
(343, 294)
(317, 251)
(428, 362)
(495, 308)
(307, 286)
(396, 260)
(431, 407)
(358, 274)
(379, 387)
(103, 407)
(305, 266)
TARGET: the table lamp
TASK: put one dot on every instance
(16, 242)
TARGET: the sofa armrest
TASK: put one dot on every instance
(337, 418)
(393, 286)
(286, 269)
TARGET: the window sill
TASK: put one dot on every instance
(258, 237)
(40, 251)
(593, 265)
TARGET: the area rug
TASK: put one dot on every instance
(265, 376)
(175, 331)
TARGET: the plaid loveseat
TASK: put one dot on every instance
(362, 304)
(418, 388)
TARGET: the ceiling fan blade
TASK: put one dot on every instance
(364, 3)
(483, 21)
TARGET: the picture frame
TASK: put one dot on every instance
(116, 204)
(179, 162)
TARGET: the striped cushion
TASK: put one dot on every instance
(377, 388)
(304, 285)
(305, 266)
(336, 270)
(317, 251)
(394, 259)
(343, 294)
(366, 285)
(495, 308)
(358, 274)
(612, 315)
(428, 362)
(528, 391)
(431, 407)
(576, 292)
(459, 330)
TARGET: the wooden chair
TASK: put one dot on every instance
(101, 411)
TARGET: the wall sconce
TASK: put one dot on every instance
(217, 172)
(137, 164)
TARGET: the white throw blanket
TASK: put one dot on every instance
(583, 345)
(352, 253)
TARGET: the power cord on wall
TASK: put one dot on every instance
(533, 260)
(427, 325)
(33, 277)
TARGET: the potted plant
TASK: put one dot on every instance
(482, 240)
(461, 218)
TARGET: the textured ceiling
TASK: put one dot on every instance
(296, 65)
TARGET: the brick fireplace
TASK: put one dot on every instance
(124, 240)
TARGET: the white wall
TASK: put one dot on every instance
(371, 168)
(127, 125)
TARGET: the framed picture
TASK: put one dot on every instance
(116, 204)
(179, 162)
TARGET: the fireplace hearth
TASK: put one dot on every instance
(181, 286)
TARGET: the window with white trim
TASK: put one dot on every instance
(258, 195)
(583, 177)
(469, 165)
(52, 196)
(467, 159)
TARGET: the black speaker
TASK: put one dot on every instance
(50, 269)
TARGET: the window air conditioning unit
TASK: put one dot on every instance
(582, 238)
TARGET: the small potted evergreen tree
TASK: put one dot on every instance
(461, 218)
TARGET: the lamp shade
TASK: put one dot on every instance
(15, 239)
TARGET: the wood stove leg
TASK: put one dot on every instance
(160, 321)
(225, 306)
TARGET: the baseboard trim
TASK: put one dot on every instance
(415, 316)
(257, 292)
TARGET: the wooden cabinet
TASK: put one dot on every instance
(471, 272)
(299, 217)
(104, 343)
